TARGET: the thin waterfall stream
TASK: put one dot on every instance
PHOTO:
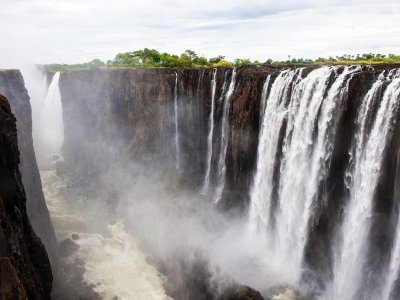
(224, 139)
(206, 184)
(177, 138)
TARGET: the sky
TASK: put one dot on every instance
(75, 31)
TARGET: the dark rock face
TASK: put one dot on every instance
(138, 104)
(133, 111)
(13, 87)
(193, 280)
(10, 285)
(18, 242)
(119, 111)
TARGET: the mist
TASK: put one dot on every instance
(125, 170)
(132, 215)
(47, 126)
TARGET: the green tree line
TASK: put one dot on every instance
(151, 58)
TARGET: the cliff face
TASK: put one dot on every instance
(131, 111)
(138, 105)
(127, 110)
(25, 269)
(13, 87)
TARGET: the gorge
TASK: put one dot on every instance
(267, 182)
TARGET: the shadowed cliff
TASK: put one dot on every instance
(13, 87)
(23, 255)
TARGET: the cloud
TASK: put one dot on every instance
(44, 31)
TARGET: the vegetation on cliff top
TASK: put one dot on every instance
(150, 58)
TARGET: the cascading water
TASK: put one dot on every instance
(310, 107)
(224, 139)
(37, 87)
(314, 110)
(394, 267)
(368, 155)
(206, 184)
(264, 96)
(273, 112)
(50, 128)
(177, 140)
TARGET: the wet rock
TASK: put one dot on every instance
(75, 287)
(10, 285)
(192, 279)
(239, 292)
(24, 256)
(67, 247)
(13, 87)
(75, 236)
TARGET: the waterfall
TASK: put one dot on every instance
(273, 112)
(51, 128)
(314, 111)
(394, 267)
(206, 184)
(368, 155)
(264, 96)
(224, 139)
(177, 140)
(311, 108)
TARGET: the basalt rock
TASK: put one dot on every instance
(23, 255)
(13, 87)
(10, 285)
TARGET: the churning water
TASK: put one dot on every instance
(115, 266)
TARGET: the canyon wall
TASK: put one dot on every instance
(137, 105)
(25, 271)
(13, 87)
(133, 110)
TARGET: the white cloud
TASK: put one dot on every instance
(44, 31)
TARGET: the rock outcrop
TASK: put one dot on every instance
(25, 269)
(13, 87)
(10, 285)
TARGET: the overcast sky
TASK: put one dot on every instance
(71, 31)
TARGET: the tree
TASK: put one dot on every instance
(239, 62)
(217, 59)
(223, 64)
(191, 54)
(201, 61)
(95, 63)
(146, 55)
